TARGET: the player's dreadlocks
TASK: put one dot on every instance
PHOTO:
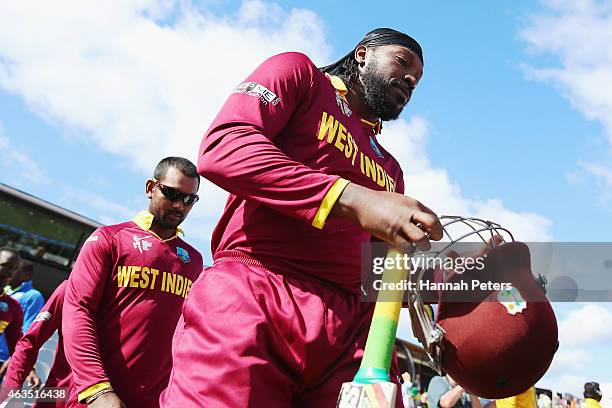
(346, 67)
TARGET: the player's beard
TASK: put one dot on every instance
(375, 92)
(169, 222)
(164, 221)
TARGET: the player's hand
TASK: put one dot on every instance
(107, 400)
(33, 380)
(392, 217)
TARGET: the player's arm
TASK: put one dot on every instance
(475, 401)
(450, 398)
(13, 330)
(239, 154)
(84, 290)
(26, 351)
(391, 217)
(12, 334)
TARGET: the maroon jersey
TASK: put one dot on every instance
(11, 319)
(26, 352)
(283, 145)
(122, 303)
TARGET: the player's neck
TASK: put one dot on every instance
(163, 233)
(359, 106)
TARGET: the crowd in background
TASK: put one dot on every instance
(443, 392)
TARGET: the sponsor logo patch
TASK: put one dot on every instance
(4, 307)
(93, 238)
(257, 90)
(140, 244)
(343, 104)
(43, 316)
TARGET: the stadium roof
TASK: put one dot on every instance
(40, 203)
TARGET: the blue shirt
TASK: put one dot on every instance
(31, 301)
(438, 386)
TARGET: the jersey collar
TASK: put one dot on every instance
(338, 85)
(342, 90)
(144, 220)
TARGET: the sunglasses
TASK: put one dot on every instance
(174, 195)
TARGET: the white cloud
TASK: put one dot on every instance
(587, 326)
(140, 89)
(407, 140)
(578, 34)
(16, 159)
(606, 390)
(564, 383)
(584, 335)
(95, 205)
(137, 88)
(568, 359)
(603, 176)
(115, 74)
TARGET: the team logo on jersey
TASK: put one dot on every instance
(42, 316)
(376, 148)
(254, 89)
(4, 307)
(140, 244)
(343, 104)
(182, 254)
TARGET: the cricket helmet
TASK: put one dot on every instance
(494, 341)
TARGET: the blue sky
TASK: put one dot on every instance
(511, 122)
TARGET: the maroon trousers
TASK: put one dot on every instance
(252, 338)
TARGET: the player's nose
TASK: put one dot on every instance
(411, 80)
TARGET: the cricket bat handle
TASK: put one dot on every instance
(383, 329)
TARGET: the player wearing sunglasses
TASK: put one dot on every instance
(125, 293)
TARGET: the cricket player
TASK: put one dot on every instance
(278, 321)
(26, 352)
(20, 288)
(125, 293)
(11, 316)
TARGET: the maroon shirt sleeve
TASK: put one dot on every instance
(83, 293)
(26, 352)
(13, 330)
(239, 154)
(399, 187)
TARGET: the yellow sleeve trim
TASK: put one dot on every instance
(92, 390)
(328, 202)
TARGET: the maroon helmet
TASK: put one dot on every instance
(495, 343)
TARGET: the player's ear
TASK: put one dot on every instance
(149, 186)
(360, 54)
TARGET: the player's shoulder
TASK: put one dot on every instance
(289, 63)
(293, 58)
(60, 289)
(10, 302)
(109, 231)
(34, 293)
